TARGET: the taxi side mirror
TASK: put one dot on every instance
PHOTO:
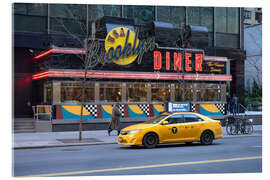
(164, 123)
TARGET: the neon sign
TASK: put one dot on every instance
(178, 65)
(122, 47)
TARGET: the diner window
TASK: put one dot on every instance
(136, 92)
(161, 92)
(110, 92)
(182, 94)
(73, 92)
(179, 93)
(208, 92)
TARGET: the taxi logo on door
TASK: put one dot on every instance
(174, 130)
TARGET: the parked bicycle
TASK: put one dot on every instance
(237, 125)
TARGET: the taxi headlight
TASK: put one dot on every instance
(134, 131)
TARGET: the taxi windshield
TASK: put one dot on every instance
(155, 119)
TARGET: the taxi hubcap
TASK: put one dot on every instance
(151, 140)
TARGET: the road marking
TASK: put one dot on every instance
(143, 167)
(257, 146)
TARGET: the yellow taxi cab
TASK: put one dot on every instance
(170, 128)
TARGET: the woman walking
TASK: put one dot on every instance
(115, 122)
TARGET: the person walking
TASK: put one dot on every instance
(234, 104)
(228, 105)
(115, 122)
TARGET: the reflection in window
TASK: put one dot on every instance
(227, 40)
(30, 23)
(97, 11)
(67, 18)
(172, 14)
(110, 92)
(140, 14)
(191, 118)
(211, 94)
(70, 11)
(35, 9)
(201, 16)
(73, 92)
(161, 92)
(182, 94)
(137, 92)
(227, 20)
(67, 26)
(178, 93)
(37, 20)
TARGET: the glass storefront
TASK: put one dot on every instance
(223, 21)
(137, 92)
(71, 91)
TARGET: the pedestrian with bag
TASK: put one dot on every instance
(115, 122)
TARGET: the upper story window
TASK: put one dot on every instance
(247, 14)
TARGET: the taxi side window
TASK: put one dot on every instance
(178, 118)
(191, 118)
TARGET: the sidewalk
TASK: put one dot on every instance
(65, 139)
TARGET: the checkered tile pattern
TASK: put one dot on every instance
(121, 108)
(193, 108)
(144, 108)
(221, 108)
(92, 109)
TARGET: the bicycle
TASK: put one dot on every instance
(236, 125)
(229, 125)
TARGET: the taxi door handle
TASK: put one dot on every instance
(186, 127)
(192, 127)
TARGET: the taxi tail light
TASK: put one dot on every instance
(219, 123)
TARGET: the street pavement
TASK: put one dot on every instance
(65, 139)
(227, 155)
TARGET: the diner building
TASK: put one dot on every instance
(141, 56)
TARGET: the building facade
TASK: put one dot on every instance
(252, 16)
(208, 40)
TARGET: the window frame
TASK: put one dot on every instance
(197, 117)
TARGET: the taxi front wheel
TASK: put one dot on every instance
(207, 138)
(150, 140)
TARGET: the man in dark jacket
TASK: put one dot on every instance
(115, 123)
(234, 104)
(228, 105)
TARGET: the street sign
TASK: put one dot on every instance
(178, 106)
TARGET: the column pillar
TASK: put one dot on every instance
(124, 92)
(96, 91)
(56, 92)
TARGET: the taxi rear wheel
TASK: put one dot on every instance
(150, 140)
(207, 138)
